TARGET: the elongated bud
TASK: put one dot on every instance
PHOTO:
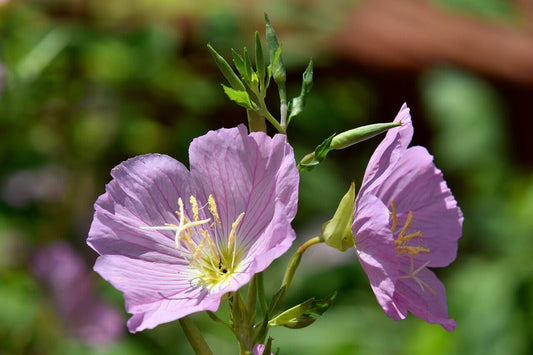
(359, 134)
(337, 232)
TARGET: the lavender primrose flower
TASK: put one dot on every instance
(86, 317)
(175, 241)
(406, 220)
(259, 349)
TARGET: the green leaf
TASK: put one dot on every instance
(226, 70)
(297, 104)
(277, 299)
(239, 64)
(240, 97)
(304, 314)
(312, 160)
(259, 58)
(277, 55)
(268, 347)
(247, 64)
(278, 68)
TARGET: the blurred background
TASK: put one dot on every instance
(86, 84)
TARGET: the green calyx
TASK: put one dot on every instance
(337, 232)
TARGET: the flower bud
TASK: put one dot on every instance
(359, 134)
(337, 232)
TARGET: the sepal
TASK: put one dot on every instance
(304, 314)
(337, 232)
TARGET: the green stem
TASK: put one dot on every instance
(295, 260)
(261, 293)
(256, 122)
(194, 337)
(268, 115)
(251, 301)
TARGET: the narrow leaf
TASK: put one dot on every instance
(278, 68)
(276, 301)
(240, 97)
(297, 104)
(291, 314)
(259, 58)
(315, 158)
(239, 64)
(247, 64)
(226, 70)
(304, 314)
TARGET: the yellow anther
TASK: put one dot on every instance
(402, 249)
(394, 216)
(194, 205)
(405, 238)
(232, 234)
(199, 249)
(213, 208)
(411, 251)
(407, 224)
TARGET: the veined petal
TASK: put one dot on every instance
(274, 241)
(424, 296)
(416, 185)
(144, 192)
(259, 177)
(155, 292)
(375, 248)
(389, 150)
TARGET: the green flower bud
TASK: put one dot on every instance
(337, 232)
(359, 134)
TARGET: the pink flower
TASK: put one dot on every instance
(405, 221)
(259, 349)
(175, 241)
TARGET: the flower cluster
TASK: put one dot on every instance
(178, 241)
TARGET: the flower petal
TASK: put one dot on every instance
(144, 192)
(259, 177)
(374, 244)
(154, 292)
(389, 150)
(416, 185)
(426, 298)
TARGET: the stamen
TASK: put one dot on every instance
(412, 275)
(402, 249)
(210, 259)
(194, 205)
(232, 234)
(407, 224)
(394, 216)
(405, 238)
(213, 208)
(411, 251)
(182, 229)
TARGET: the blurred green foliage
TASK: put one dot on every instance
(89, 84)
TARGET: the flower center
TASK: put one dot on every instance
(213, 256)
